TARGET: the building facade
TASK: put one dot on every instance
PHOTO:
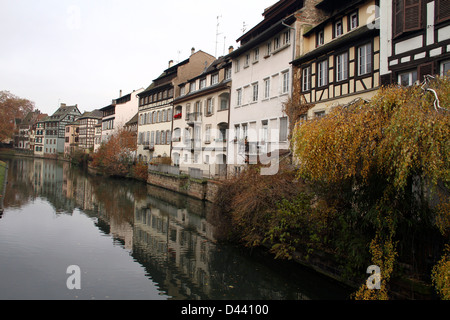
(262, 82)
(340, 57)
(55, 127)
(415, 40)
(71, 138)
(200, 121)
(156, 112)
(87, 124)
(118, 113)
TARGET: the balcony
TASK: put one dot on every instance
(148, 146)
(194, 118)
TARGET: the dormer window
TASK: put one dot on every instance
(193, 86)
(215, 79)
(202, 83)
(338, 28)
(320, 39)
(353, 21)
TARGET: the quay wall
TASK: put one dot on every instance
(201, 189)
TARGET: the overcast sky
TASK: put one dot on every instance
(85, 51)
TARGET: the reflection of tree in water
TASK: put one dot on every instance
(175, 246)
(116, 197)
(19, 190)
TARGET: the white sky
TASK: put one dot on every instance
(84, 52)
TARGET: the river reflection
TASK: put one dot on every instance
(132, 241)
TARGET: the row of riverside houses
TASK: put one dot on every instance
(219, 114)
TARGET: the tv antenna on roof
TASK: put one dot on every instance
(217, 33)
(244, 27)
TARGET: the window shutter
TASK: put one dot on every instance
(412, 16)
(398, 17)
(425, 69)
(442, 10)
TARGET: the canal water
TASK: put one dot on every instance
(128, 240)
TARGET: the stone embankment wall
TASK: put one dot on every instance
(200, 189)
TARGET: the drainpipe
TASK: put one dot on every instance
(293, 58)
(293, 51)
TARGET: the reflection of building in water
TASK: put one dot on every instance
(165, 233)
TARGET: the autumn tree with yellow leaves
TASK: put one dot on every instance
(385, 164)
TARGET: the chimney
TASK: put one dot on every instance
(192, 50)
(230, 49)
(120, 94)
(170, 63)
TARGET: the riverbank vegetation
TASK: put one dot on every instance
(117, 157)
(11, 109)
(370, 186)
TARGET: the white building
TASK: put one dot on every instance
(262, 81)
(118, 113)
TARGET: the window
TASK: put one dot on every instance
(342, 67)
(224, 101)
(247, 60)
(268, 49)
(286, 37)
(266, 88)
(442, 10)
(322, 73)
(182, 90)
(193, 87)
(445, 68)
(237, 132)
(338, 28)
(215, 79)
(202, 83)
(407, 16)
(239, 97)
(283, 128)
(407, 78)
(264, 131)
(237, 65)
(306, 78)
(320, 40)
(209, 106)
(255, 92)
(276, 43)
(208, 133)
(319, 114)
(227, 73)
(365, 59)
(168, 136)
(256, 55)
(285, 87)
(353, 21)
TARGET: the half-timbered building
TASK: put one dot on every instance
(340, 57)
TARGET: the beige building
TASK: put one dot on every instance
(156, 112)
(200, 121)
(71, 138)
(339, 59)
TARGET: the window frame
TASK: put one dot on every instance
(368, 63)
(320, 38)
(307, 77)
(335, 28)
(411, 80)
(350, 26)
(342, 75)
(319, 76)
